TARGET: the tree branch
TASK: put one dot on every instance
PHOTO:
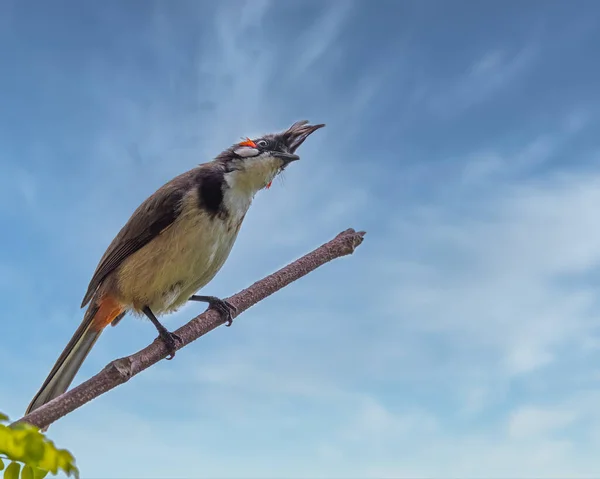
(121, 370)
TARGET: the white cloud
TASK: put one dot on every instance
(494, 269)
(534, 422)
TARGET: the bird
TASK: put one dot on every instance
(173, 245)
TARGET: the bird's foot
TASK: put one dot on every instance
(170, 340)
(225, 308)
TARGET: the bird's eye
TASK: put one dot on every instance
(262, 143)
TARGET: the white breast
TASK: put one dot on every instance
(239, 194)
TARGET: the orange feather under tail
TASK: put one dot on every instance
(99, 314)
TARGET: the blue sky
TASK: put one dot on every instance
(462, 338)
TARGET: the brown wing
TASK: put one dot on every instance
(151, 218)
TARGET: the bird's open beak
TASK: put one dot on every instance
(297, 133)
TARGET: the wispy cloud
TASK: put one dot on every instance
(319, 38)
(491, 72)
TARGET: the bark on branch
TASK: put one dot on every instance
(121, 370)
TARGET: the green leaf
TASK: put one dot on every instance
(12, 471)
(27, 472)
(39, 473)
(24, 443)
(3, 417)
(1, 464)
(35, 448)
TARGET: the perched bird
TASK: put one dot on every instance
(174, 244)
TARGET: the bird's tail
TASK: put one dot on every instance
(99, 314)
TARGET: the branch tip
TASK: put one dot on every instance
(355, 238)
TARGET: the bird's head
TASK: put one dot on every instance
(254, 163)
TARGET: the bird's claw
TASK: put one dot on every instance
(225, 309)
(170, 340)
